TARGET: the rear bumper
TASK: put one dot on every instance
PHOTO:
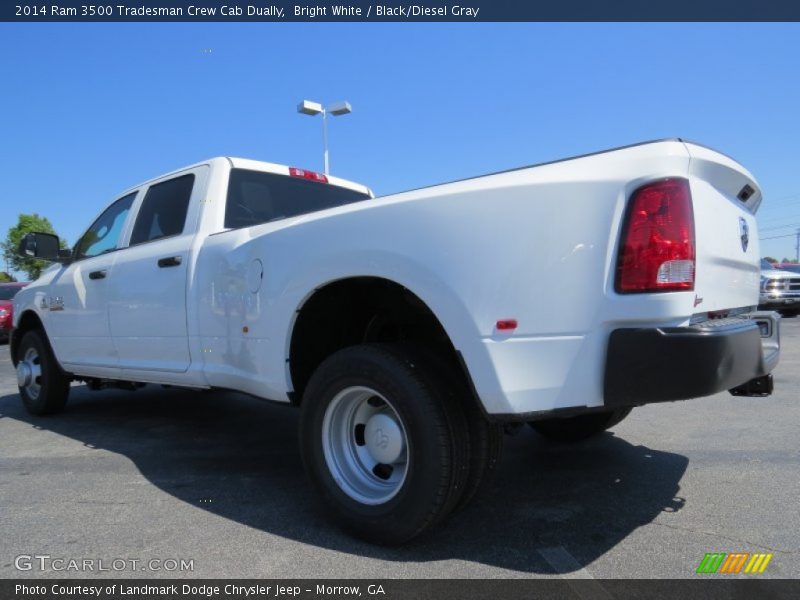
(661, 365)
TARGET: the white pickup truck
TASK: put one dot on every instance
(410, 329)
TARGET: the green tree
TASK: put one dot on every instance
(6, 278)
(26, 224)
(770, 259)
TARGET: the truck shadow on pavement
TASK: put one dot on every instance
(549, 508)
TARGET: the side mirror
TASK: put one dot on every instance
(44, 246)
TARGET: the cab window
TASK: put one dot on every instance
(256, 197)
(163, 211)
(104, 234)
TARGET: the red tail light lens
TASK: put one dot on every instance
(657, 253)
(303, 174)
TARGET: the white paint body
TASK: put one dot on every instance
(537, 244)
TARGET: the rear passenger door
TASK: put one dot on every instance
(147, 310)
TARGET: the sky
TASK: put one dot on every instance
(90, 109)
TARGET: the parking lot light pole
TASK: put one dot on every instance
(307, 107)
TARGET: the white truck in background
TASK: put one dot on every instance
(410, 328)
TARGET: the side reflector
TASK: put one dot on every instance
(303, 174)
(506, 324)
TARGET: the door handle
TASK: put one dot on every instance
(98, 274)
(169, 261)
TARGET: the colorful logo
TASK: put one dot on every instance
(735, 562)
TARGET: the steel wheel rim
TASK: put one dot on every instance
(32, 362)
(360, 430)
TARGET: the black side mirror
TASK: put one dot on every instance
(44, 246)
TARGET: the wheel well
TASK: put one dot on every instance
(361, 310)
(28, 320)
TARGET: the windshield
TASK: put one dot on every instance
(766, 265)
(7, 292)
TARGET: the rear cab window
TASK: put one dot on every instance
(256, 197)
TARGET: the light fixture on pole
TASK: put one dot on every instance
(337, 109)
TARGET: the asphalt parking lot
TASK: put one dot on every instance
(216, 478)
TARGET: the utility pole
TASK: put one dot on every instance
(797, 246)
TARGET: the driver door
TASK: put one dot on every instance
(77, 318)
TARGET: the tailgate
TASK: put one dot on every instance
(725, 198)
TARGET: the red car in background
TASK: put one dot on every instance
(7, 293)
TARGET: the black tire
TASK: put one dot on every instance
(486, 447)
(438, 442)
(53, 383)
(485, 438)
(575, 429)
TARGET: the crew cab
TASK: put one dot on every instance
(413, 329)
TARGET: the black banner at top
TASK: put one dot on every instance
(400, 10)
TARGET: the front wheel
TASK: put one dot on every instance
(43, 386)
(575, 429)
(383, 444)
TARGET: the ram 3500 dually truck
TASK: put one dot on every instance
(412, 329)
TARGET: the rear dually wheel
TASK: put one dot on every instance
(383, 444)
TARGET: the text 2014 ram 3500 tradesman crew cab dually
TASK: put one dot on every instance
(410, 328)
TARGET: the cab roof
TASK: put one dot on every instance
(254, 165)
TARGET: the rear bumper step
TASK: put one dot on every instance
(666, 364)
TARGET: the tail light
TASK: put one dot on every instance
(657, 253)
(303, 174)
